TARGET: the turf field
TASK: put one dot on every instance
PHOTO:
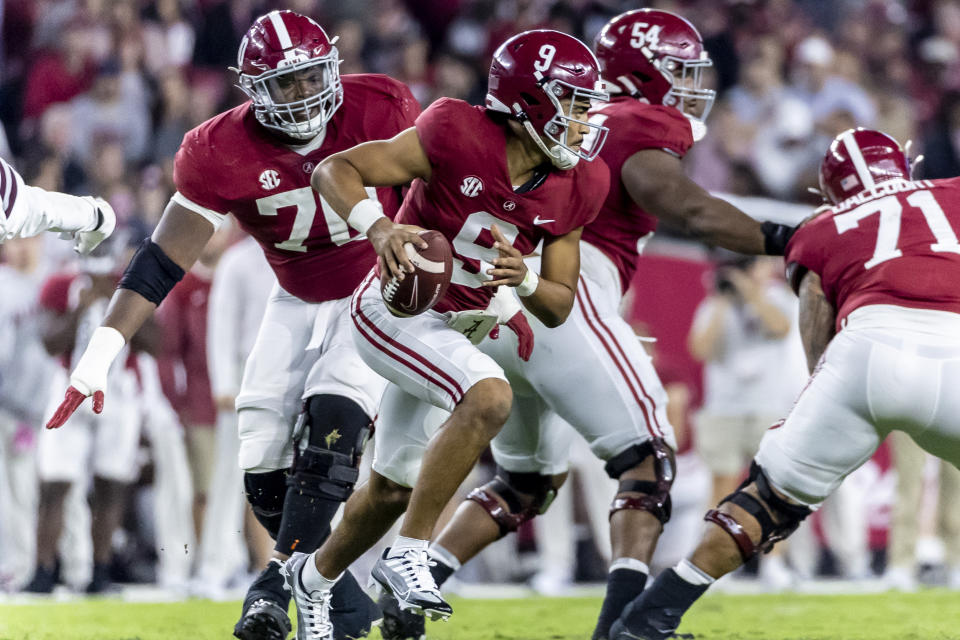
(929, 615)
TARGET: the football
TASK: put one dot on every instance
(420, 290)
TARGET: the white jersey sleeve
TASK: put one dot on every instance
(28, 210)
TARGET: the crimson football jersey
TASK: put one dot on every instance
(470, 190)
(231, 164)
(634, 126)
(896, 244)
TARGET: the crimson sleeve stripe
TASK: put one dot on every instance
(12, 200)
(385, 342)
(3, 185)
(616, 361)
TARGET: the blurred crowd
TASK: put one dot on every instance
(96, 95)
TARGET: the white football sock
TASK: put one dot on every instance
(402, 543)
(312, 580)
(692, 573)
(629, 563)
(442, 555)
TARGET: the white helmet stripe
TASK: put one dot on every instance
(863, 172)
(282, 34)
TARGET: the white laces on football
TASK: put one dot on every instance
(414, 565)
(315, 613)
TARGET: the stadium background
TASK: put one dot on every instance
(96, 95)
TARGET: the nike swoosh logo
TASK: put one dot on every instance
(538, 220)
(413, 295)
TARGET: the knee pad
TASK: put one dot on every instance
(336, 430)
(265, 493)
(656, 498)
(526, 494)
(777, 517)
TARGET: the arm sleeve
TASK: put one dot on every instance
(224, 319)
(28, 210)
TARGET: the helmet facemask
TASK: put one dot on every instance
(686, 85)
(281, 103)
(561, 154)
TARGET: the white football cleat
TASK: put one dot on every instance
(313, 607)
(407, 577)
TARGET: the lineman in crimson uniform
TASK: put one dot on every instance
(652, 62)
(883, 345)
(255, 161)
(495, 181)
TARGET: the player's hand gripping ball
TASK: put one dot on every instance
(420, 290)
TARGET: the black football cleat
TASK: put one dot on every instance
(265, 607)
(352, 611)
(399, 624)
(263, 619)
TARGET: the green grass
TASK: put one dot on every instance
(928, 615)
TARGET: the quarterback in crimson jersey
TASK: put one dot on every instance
(495, 181)
(307, 398)
(652, 62)
(876, 272)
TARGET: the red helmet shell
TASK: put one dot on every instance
(277, 37)
(532, 71)
(281, 43)
(649, 52)
(859, 159)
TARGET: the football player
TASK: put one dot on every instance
(26, 211)
(876, 272)
(304, 383)
(653, 62)
(495, 181)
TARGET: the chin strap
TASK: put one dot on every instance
(560, 157)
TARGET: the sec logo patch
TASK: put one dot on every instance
(471, 186)
(269, 180)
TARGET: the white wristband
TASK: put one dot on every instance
(364, 214)
(529, 284)
(90, 374)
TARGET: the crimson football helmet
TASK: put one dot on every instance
(656, 55)
(291, 71)
(859, 159)
(529, 76)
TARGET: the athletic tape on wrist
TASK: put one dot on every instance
(92, 368)
(364, 214)
(529, 284)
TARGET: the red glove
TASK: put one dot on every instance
(519, 325)
(89, 378)
(72, 399)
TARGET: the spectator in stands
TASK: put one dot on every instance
(114, 108)
(817, 83)
(59, 76)
(24, 368)
(910, 462)
(241, 285)
(75, 304)
(183, 365)
(745, 334)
